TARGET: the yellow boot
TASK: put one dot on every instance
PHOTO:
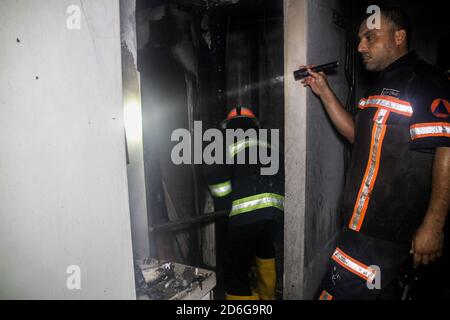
(233, 297)
(266, 273)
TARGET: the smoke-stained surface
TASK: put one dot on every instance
(198, 60)
(165, 61)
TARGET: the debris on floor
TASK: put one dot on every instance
(158, 280)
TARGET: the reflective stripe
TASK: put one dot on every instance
(325, 296)
(353, 265)
(259, 201)
(362, 103)
(237, 147)
(391, 104)
(221, 189)
(362, 201)
(381, 116)
(436, 129)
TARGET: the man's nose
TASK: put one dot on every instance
(362, 47)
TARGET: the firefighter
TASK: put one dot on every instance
(397, 192)
(256, 204)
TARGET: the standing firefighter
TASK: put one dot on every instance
(256, 204)
(397, 192)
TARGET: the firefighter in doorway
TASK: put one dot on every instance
(397, 192)
(256, 204)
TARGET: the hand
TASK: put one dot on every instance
(317, 81)
(427, 244)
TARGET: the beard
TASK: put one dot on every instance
(370, 66)
(369, 63)
(379, 60)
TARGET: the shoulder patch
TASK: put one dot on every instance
(440, 108)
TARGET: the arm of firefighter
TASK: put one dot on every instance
(430, 130)
(342, 120)
(221, 193)
(218, 178)
(429, 238)
(220, 190)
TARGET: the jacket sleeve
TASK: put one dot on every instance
(430, 123)
(218, 177)
(219, 181)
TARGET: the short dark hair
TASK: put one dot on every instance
(398, 18)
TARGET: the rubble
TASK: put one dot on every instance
(161, 280)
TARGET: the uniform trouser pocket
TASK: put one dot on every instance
(362, 267)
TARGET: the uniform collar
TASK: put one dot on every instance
(405, 60)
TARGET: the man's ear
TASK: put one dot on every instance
(400, 37)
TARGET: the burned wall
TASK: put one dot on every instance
(167, 64)
(191, 59)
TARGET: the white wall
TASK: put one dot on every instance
(295, 54)
(63, 187)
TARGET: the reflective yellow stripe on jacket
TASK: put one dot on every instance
(221, 189)
(237, 147)
(259, 201)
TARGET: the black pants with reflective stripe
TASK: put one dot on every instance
(244, 243)
(390, 258)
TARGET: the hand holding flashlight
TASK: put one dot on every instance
(317, 79)
(303, 71)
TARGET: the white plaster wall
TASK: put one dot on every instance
(63, 183)
(295, 51)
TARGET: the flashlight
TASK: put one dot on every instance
(303, 73)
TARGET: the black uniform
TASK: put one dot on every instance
(399, 123)
(256, 204)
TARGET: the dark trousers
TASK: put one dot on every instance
(244, 243)
(345, 277)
